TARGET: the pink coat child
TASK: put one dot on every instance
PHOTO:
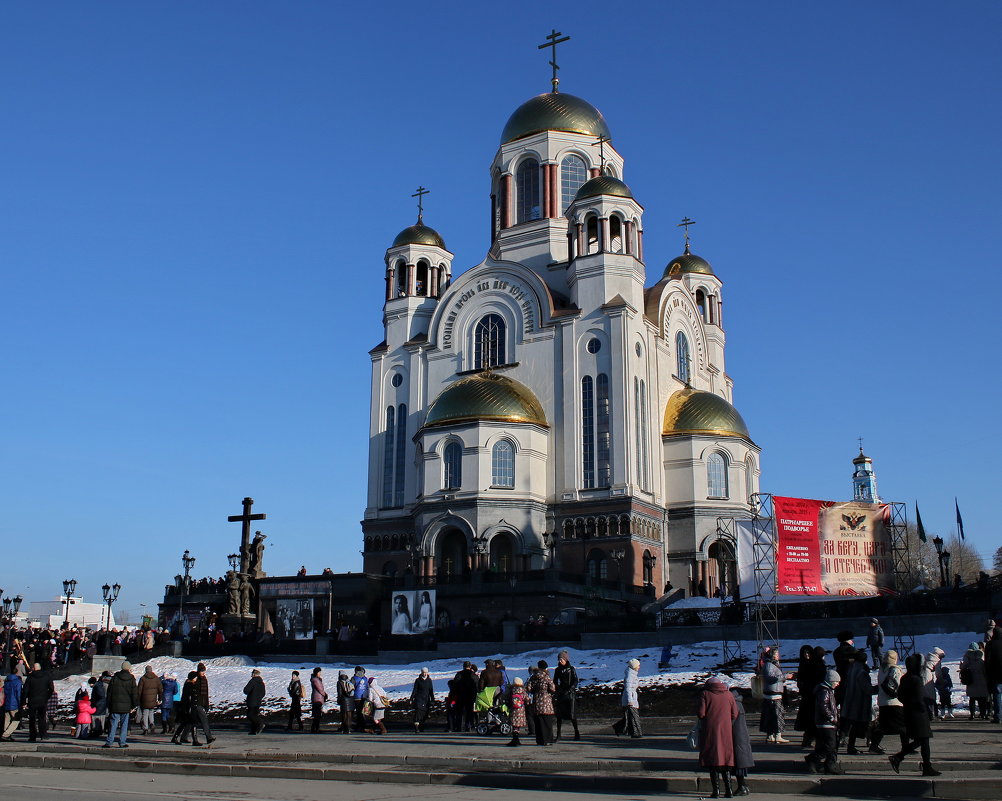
(84, 712)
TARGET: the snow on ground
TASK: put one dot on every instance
(688, 664)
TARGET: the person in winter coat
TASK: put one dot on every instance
(318, 697)
(345, 701)
(466, 694)
(810, 673)
(744, 759)
(717, 713)
(123, 698)
(377, 696)
(422, 697)
(542, 688)
(186, 717)
(36, 691)
(972, 676)
(930, 667)
(151, 694)
(773, 718)
(99, 698)
(168, 684)
(857, 702)
(890, 713)
(200, 706)
(295, 690)
(254, 691)
(944, 691)
(565, 678)
(361, 684)
(84, 711)
(11, 705)
(875, 642)
(911, 693)
(518, 700)
(490, 676)
(630, 722)
(825, 754)
(993, 673)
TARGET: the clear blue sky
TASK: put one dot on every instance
(195, 199)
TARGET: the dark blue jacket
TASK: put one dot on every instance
(12, 693)
(170, 689)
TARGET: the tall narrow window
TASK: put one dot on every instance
(388, 451)
(588, 431)
(527, 191)
(603, 431)
(398, 479)
(503, 464)
(591, 234)
(489, 342)
(716, 476)
(573, 174)
(682, 361)
(453, 459)
(749, 477)
(615, 234)
(701, 304)
(640, 398)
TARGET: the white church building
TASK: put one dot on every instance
(556, 407)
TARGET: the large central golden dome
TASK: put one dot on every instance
(485, 396)
(555, 111)
(693, 411)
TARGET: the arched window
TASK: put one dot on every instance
(615, 234)
(503, 464)
(398, 478)
(640, 400)
(598, 565)
(716, 475)
(588, 431)
(573, 173)
(701, 304)
(591, 234)
(489, 342)
(527, 191)
(648, 562)
(682, 360)
(501, 554)
(603, 431)
(388, 450)
(401, 276)
(749, 477)
(453, 459)
(421, 278)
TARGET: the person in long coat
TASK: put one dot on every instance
(254, 690)
(857, 701)
(717, 713)
(810, 673)
(565, 677)
(916, 714)
(744, 759)
(890, 712)
(630, 722)
(318, 697)
(421, 697)
(542, 688)
(518, 700)
(772, 719)
(186, 716)
(972, 668)
(151, 694)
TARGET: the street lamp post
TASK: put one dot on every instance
(938, 543)
(189, 562)
(945, 565)
(11, 606)
(110, 596)
(69, 587)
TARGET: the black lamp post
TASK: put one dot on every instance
(188, 561)
(944, 564)
(69, 587)
(11, 606)
(234, 559)
(938, 543)
(110, 596)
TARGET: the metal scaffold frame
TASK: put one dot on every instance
(897, 530)
(730, 621)
(764, 568)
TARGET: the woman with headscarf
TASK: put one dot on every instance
(744, 758)
(810, 673)
(421, 697)
(916, 714)
(379, 702)
(717, 713)
(857, 702)
(772, 718)
(630, 722)
(972, 676)
(517, 702)
(890, 712)
(542, 688)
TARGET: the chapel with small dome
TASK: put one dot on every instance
(544, 423)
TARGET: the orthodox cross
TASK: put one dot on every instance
(245, 521)
(860, 444)
(448, 565)
(686, 222)
(554, 41)
(421, 192)
(601, 151)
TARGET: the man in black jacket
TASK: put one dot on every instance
(123, 698)
(38, 689)
(254, 690)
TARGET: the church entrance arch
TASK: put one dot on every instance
(452, 560)
(502, 554)
(721, 569)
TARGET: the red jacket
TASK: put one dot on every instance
(84, 711)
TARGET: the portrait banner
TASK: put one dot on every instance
(293, 618)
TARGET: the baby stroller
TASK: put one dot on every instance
(492, 714)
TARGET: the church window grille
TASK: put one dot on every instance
(503, 464)
(588, 431)
(397, 380)
(603, 431)
(489, 342)
(398, 479)
(682, 359)
(573, 174)
(640, 397)
(716, 475)
(527, 191)
(615, 235)
(388, 456)
(453, 466)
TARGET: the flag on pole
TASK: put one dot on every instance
(921, 528)
(960, 520)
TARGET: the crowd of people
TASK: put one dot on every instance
(68, 644)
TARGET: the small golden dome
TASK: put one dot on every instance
(693, 411)
(485, 396)
(688, 263)
(419, 234)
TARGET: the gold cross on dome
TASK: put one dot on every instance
(421, 192)
(554, 40)
(686, 222)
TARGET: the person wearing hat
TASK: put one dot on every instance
(517, 703)
(84, 711)
(422, 697)
(565, 678)
(11, 705)
(151, 694)
(857, 702)
(186, 718)
(123, 699)
(168, 684)
(542, 688)
(295, 690)
(254, 691)
(875, 642)
(825, 754)
(717, 713)
(916, 715)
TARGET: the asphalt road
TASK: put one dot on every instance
(53, 785)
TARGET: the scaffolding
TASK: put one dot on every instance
(897, 530)
(730, 611)
(764, 568)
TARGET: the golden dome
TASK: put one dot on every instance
(554, 111)
(485, 396)
(688, 263)
(692, 411)
(419, 234)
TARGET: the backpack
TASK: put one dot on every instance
(518, 701)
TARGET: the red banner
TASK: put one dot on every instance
(798, 546)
